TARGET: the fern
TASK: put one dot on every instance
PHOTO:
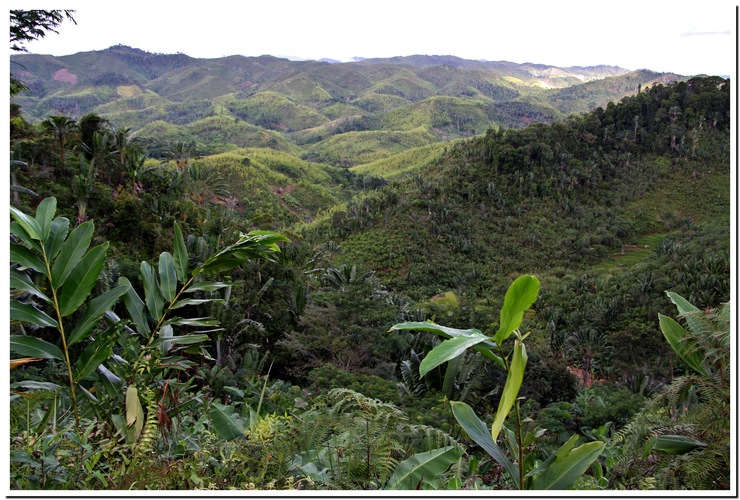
(148, 439)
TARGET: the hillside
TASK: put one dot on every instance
(236, 292)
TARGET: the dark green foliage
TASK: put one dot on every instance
(605, 402)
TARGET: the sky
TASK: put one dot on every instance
(688, 38)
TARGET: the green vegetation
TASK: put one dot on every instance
(236, 276)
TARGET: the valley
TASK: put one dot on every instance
(315, 275)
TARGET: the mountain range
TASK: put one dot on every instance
(345, 114)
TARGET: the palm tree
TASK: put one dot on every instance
(181, 153)
(585, 346)
(62, 127)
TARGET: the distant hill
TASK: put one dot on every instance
(318, 110)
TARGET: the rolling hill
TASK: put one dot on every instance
(369, 109)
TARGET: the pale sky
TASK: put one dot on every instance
(678, 36)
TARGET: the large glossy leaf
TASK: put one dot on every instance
(194, 302)
(519, 297)
(254, 245)
(26, 258)
(449, 349)
(193, 321)
(57, 236)
(167, 276)
(226, 422)
(28, 223)
(92, 357)
(21, 282)
(180, 255)
(566, 465)
(511, 387)
(45, 214)
(485, 347)
(152, 295)
(135, 307)
(679, 341)
(31, 346)
(686, 310)
(71, 252)
(134, 411)
(423, 467)
(96, 308)
(27, 313)
(206, 286)
(673, 444)
(24, 238)
(82, 279)
(478, 431)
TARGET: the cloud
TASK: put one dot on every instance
(706, 33)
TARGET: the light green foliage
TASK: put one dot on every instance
(562, 468)
(356, 148)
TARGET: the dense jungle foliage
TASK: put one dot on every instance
(539, 308)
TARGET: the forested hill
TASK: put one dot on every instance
(548, 197)
(311, 108)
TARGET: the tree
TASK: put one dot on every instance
(62, 127)
(29, 25)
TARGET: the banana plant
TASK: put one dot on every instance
(561, 469)
(52, 277)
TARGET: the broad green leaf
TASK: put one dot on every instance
(45, 214)
(134, 411)
(206, 286)
(95, 310)
(478, 431)
(82, 279)
(34, 384)
(511, 387)
(167, 276)
(27, 313)
(483, 347)
(135, 307)
(193, 302)
(226, 422)
(37, 348)
(189, 339)
(449, 349)
(57, 236)
(152, 294)
(423, 467)
(21, 282)
(677, 337)
(519, 297)
(71, 252)
(566, 465)
(685, 309)
(92, 356)
(26, 258)
(181, 255)
(254, 245)
(673, 444)
(194, 322)
(28, 223)
(25, 238)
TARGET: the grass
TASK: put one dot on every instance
(633, 254)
